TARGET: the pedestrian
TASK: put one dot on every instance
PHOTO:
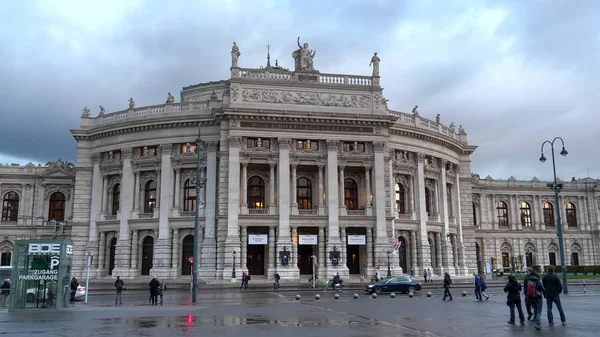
(5, 289)
(528, 304)
(430, 275)
(74, 286)
(276, 283)
(477, 283)
(362, 278)
(513, 299)
(153, 286)
(161, 291)
(553, 290)
(425, 274)
(245, 279)
(447, 284)
(119, 286)
(412, 271)
(483, 287)
(535, 291)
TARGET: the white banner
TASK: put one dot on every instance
(356, 240)
(307, 239)
(258, 239)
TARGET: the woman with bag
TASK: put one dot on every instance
(513, 299)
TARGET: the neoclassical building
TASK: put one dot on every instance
(298, 163)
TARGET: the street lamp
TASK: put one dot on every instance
(233, 271)
(555, 186)
(389, 271)
(199, 183)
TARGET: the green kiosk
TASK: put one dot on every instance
(41, 274)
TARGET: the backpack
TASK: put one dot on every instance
(532, 289)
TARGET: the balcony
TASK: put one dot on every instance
(110, 217)
(432, 218)
(355, 212)
(146, 215)
(308, 212)
(258, 211)
(404, 216)
(187, 214)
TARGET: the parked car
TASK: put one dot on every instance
(400, 284)
(31, 294)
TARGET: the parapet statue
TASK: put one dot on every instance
(461, 130)
(86, 112)
(131, 103)
(437, 118)
(235, 54)
(304, 57)
(415, 111)
(375, 62)
(170, 99)
(101, 111)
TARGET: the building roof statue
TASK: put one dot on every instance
(170, 99)
(131, 103)
(60, 164)
(375, 62)
(101, 111)
(304, 57)
(235, 54)
(415, 111)
(86, 112)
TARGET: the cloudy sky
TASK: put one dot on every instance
(513, 73)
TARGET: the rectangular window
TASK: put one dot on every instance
(505, 260)
(148, 151)
(258, 142)
(574, 259)
(355, 146)
(5, 259)
(307, 145)
(114, 155)
(552, 258)
(399, 154)
(188, 148)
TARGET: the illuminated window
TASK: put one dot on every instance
(148, 151)
(150, 196)
(304, 193)
(188, 148)
(355, 146)
(350, 194)
(307, 145)
(502, 211)
(189, 196)
(256, 193)
(258, 142)
(525, 214)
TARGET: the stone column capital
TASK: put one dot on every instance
(127, 152)
(165, 149)
(96, 158)
(420, 157)
(332, 145)
(367, 168)
(379, 147)
(234, 141)
(284, 143)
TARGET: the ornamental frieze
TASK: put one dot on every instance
(306, 98)
(502, 197)
(112, 181)
(306, 127)
(53, 188)
(11, 188)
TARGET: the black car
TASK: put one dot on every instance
(403, 284)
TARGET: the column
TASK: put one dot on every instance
(370, 263)
(177, 187)
(413, 251)
(70, 204)
(159, 193)
(320, 201)
(379, 200)
(341, 178)
(123, 252)
(101, 253)
(581, 217)
(438, 252)
(136, 192)
(175, 253)
(461, 247)
(343, 259)
(333, 234)
(413, 208)
(272, 205)
(41, 203)
(294, 200)
(283, 194)
(321, 257)
(455, 251)
(244, 250)
(162, 247)
(514, 213)
(368, 207)
(233, 202)
(104, 194)
(424, 256)
(443, 244)
(294, 258)
(208, 256)
(244, 188)
(272, 263)
(482, 202)
(493, 212)
(134, 250)
(96, 198)
(22, 205)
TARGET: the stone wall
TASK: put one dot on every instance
(81, 209)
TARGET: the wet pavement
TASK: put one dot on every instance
(233, 313)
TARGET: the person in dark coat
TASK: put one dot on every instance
(528, 304)
(5, 291)
(447, 284)
(513, 299)
(553, 291)
(154, 285)
(477, 282)
(74, 286)
(536, 298)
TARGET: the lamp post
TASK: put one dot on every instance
(233, 271)
(199, 183)
(389, 271)
(555, 186)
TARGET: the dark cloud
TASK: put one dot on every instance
(513, 73)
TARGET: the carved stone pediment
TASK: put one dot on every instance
(53, 188)
(306, 98)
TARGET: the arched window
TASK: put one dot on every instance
(502, 210)
(525, 214)
(256, 193)
(475, 221)
(449, 199)
(116, 197)
(428, 201)
(548, 214)
(400, 199)
(304, 193)
(150, 196)
(350, 194)
(10, 207)
(571, 215)
(57, 207)
(189, 196)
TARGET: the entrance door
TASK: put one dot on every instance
(353, 259)
(111, 255)
(147, 254)
(187, 255)
(256, 259)
(305, 265)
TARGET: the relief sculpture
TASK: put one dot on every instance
(306, 98)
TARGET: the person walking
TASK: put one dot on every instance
(553, 288)
(447, 284)
(5, 290)
(535, 291)
(153, 286)
(119, 286)
(483, 287)
(430, 275)
(276, 283)
(74, 286)
(424, 274)
(513, 299)
(161, 291)
(477, 283)
(528, 304)
(412, 271)
(245, 279)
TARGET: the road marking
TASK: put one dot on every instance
(277, 294)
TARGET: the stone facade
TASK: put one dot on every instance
(293, 163)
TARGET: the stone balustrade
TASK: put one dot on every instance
(308, 212)
(187, 214)
(266, 74)
(356, 212)
(110, 217)
(286, 75)
(146, 215)
(423, 123)
(258, 211)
